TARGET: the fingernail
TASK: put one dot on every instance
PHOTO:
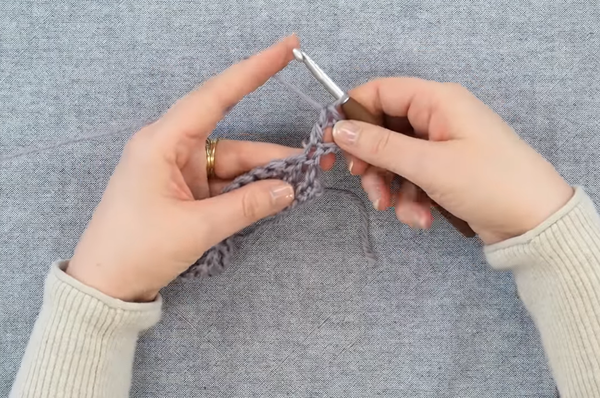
(345, 132)
(350, 165)
(282, 194)
(376, 204)
(374, 195)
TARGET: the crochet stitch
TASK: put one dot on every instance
(301, 171)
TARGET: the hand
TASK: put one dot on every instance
(468, 159)
(157, 216)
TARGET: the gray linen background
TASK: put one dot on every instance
(300, 313)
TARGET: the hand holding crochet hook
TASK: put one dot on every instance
(381, 196)
(469, 163)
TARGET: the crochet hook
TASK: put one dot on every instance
(355, 111)
(352, 109)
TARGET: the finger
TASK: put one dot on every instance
(216, 186)
(412, 207)
(327, 162)
(233, 158)
(197, 113)
(413, 98)
(394, 123)
(377, 186)
(226, 214)
(355, 166)
(415, 215)
(406, 156)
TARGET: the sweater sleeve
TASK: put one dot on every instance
(557, 271)
(83, 341)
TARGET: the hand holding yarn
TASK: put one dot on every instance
(160, 212)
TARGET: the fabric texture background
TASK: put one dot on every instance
(300, 312)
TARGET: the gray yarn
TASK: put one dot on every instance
(302, 172)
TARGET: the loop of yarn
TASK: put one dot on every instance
(301, 171)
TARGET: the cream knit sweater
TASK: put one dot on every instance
(83, 342)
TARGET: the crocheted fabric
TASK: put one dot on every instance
(301, 171)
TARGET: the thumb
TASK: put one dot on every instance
(387, 149)
(226, 214)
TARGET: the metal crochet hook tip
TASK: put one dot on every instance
(318, 73)
(298, 55)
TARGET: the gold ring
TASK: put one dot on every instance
(211, 148)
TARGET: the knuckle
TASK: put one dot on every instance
(454, 85)
(139, 142)
(251, 205)
(455, 88)
(380, 142)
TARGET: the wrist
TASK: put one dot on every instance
(538, 209)
(115, 286)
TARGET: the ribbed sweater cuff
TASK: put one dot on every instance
(557, 271)
(83, 342)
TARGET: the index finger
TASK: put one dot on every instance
(400, 97)
(391, 97)
(198, 112)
